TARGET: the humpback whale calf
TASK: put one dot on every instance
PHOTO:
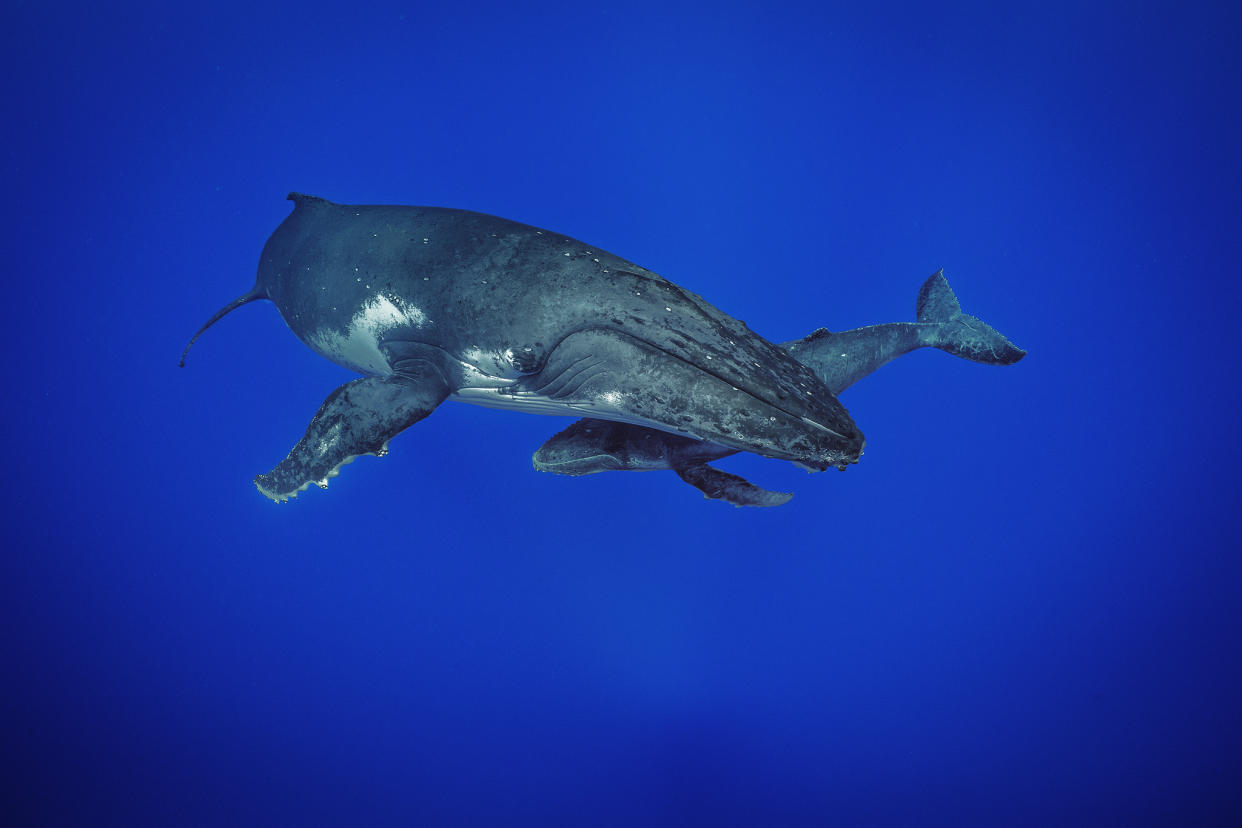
(433, 303)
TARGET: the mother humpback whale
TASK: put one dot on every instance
(431, 303)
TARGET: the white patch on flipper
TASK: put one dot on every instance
(285, 497)
(358, 346)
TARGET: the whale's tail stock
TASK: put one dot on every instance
(962, 335)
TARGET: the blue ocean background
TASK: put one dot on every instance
(1021, 608)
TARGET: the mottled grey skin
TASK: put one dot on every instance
(838, 359)
(431, 303)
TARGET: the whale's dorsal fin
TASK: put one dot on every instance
(304, 200)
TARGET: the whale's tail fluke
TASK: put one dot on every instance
(962, 335)
(255, 293)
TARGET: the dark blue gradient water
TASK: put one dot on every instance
(1020, 608)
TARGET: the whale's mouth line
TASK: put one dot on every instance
(528, 402)
(814, 424)
(771, 403)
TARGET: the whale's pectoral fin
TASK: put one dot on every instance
(358, 418)
(718, 485)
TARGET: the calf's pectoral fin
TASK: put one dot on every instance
(718, 485)
(358, 418)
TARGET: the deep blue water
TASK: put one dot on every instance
(1021, 607)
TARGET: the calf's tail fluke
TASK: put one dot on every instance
(252, 295)
(962, 335)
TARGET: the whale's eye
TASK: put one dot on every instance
(525, 359)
